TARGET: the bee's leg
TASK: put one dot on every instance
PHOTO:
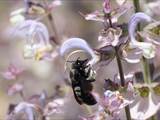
(91, 75)
(88, 72)
(71, 75)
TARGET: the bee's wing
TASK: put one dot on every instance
(89, 99)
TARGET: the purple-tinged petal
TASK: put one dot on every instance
(95, 16)
(14, 89)
(118, 12)
(26, 108)
(77, 43)
(54, 107)
(144, 108)
(147, 48)
(135, 19)
(110, 37)
(15, 70)
(12, 72)
(8, 75)
(106, 6)
(113, 102)
(37, 39)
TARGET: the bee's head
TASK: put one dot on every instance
(80, 64)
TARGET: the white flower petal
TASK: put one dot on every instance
(150, 37)
(153, 7)
(18, 11)
(27, 108)
(54, 107)
(147, 48)
(144, 108)
(95, 16)
(34, 27)
(57, 2)
(77, 43)
(16, 19)
(132, 60)
(37, 39)
(121, 11)
(120, 2)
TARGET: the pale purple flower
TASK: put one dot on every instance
(113, 103)
(15, 88)
(38, 99)
(152, 8)
(78, 43)
(99, 15)
(95, 16)
(106, 6)
(54, 107)
(108, 40)
(37, 39)
(147, 102)
(25, 108)
(12, 72)
(148, 49)
(110, 37)
(18, 16)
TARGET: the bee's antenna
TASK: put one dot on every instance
(70, 61)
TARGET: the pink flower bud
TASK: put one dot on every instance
(106, 6)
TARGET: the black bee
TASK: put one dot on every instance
(81, 77)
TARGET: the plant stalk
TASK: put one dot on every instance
(119, 63)
(52, 24)
(146, 71)
(137, 9)
(56, 38)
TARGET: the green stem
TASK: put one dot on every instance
(153, 118)
(146, 71)
(52, 24)
(50, 18)
(137, 9)
(145, 63)
(119, 63)
(136, 5)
